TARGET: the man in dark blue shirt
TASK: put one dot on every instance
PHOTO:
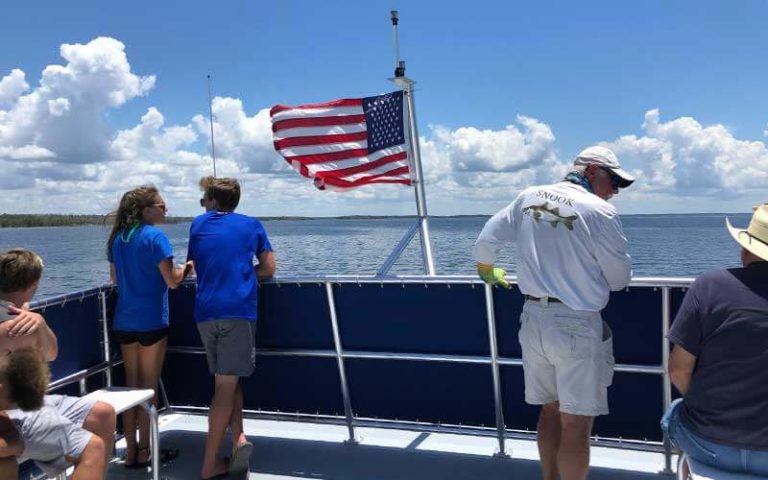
(719, 360)
(222, 245)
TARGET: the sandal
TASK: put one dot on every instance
(166, 455)
(137, 464)
(238, 466)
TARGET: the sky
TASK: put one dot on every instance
(99, 97)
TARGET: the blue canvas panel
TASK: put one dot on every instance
(422, 391)
(412, 318)
(634, 401)
(634, 316)
(79, 332)
(303, 385)
(294, 316)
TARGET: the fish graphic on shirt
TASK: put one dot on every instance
(542, 213)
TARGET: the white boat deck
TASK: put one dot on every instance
(292, 450)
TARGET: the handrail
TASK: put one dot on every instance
(659, 282)
(663, 284)
(67, 297)
(83, 374)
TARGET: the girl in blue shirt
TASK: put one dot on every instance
(141, 266)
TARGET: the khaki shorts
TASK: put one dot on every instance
(54, 432)
(230, 346)
(565, 358)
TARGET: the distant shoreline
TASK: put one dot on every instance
(62, 220)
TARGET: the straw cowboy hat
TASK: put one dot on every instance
(755, 237)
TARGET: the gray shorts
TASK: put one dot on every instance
(54, 432)
(565, 358)
(230, 346)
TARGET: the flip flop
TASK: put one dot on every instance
(166, 455)
(241, 458)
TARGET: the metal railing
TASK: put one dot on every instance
(107, 363)
(494, 360)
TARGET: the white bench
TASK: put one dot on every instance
(700, 471)
(124, 398)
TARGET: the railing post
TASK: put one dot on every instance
(105, 336)
(666, 320)
(349, 415)
(500, 428)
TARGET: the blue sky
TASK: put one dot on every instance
(508, 93)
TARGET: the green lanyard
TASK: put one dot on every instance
(131, 231)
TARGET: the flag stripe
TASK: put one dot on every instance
(346, 158)
(397, 175)
(317, 121)
(344, 102)
(382, 164)
(315, 131)
(333, 147)
(351, 162)
(327, 157)
(319, 140)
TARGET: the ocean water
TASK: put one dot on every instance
(660, 245)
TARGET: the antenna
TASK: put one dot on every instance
(406, 84)
(210, 113)
(399, 65)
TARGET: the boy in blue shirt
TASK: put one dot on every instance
(222, 245)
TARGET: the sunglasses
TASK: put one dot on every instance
(615, 179)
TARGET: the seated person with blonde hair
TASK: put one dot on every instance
(66, 430)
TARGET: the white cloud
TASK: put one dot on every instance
(59, 155)
(507, 150)
(683, 157)
(245, 140)
(65, 113)
(11, 87)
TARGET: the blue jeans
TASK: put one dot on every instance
(717, 455)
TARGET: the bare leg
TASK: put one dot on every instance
(236, 423)
(90, 465)
(131, 363)
(548, 439)
(101, 422)
(151, 360)
(219, 417)
(573, 457)
(9, 470)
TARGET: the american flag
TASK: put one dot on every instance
(345, 143)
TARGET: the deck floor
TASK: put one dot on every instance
(292, 450)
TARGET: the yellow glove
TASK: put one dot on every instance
(492, 275)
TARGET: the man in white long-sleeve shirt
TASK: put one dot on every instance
(571, 252)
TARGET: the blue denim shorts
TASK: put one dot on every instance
(717, 455)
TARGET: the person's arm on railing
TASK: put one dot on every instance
(266, 267)
(173, 276)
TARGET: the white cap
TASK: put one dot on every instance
(605, 158)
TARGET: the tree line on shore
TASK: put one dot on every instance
(8, 220)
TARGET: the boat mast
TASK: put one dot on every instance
(417, 177)
(210, 116)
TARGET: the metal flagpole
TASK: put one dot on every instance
(210, 112)
(406, 84)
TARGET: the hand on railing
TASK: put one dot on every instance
(492, 275)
